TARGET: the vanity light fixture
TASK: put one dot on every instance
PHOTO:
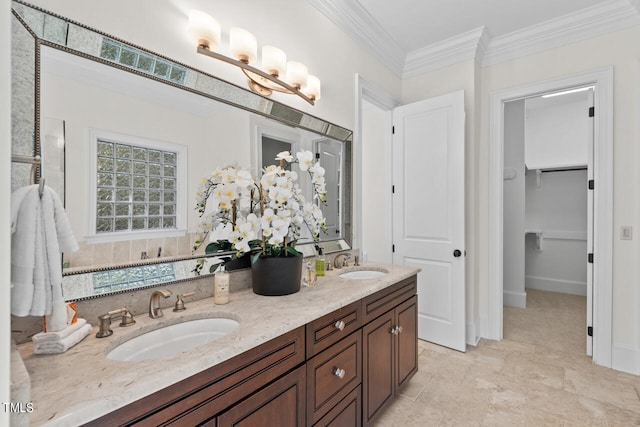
(276, 74)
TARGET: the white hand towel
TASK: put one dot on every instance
(25, 204)
(58, 335)
(60, 346)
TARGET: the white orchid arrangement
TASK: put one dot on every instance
(266, 216)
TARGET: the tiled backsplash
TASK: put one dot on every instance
(117, 253)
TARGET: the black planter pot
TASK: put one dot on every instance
(275, 276)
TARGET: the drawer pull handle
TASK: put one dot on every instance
(340, 325)
(338, 372)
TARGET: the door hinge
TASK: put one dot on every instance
(393, 248)
(393, 130)
(592, 111)
(590, 331)
(317, 155)
(393, 189)
(590, 258)
(592, 184)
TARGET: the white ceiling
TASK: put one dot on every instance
(413, 36)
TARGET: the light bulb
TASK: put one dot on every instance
(204, 30)
(297, 74)
(313, 87)
(243, 45)
(274, 61)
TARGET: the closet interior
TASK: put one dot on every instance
(548, 164)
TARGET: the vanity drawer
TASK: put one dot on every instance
(331, 328)
(332, 375)
(386, 299)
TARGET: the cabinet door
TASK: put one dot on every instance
(378, 361)
(280, 404)
(407, 349)
(347, 413)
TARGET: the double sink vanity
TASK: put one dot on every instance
(332, 354)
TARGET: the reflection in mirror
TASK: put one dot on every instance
(52, 152)
(96, 83)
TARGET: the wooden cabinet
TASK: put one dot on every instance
(390, 349)
(332, 374)
(338, 370)
(279, 404)
(347, 413)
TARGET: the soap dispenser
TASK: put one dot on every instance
(221, 286)
(320, 263)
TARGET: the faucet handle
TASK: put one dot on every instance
(180, 303)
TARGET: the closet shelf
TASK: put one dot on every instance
(541, 235)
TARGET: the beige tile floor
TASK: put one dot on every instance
(537, 376)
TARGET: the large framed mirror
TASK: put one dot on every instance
(127, 109)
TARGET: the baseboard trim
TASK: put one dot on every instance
(514, 299)
(626, 359)
(556, 285)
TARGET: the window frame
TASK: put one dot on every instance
(92, 236)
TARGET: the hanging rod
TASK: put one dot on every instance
(581, 168)
(18, 158)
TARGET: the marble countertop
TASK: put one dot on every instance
(82, 384)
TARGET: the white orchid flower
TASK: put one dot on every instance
(285, 155)
(305, 159)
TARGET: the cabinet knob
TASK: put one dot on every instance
(394, 330)
(399, 329)
(340, 325)
(338, 372)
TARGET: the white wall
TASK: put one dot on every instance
(559, 209)
(514, 206)
(557, 131)
(618, 50)
(5, 186)
(305, 34)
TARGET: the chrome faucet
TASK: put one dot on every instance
(336, 260)
(154, 303)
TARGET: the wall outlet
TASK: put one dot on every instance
(626, 232)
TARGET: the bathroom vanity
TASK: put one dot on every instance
(333, 354)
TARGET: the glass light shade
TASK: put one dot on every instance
(274, 61)
(313, 87)
(297, 74)
(243, 45)
(203, 29)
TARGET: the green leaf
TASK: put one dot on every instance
(291, 251)
(214, 267)
(255, 257)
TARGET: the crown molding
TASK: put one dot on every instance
(447, 52)
(478, 44)
(587, 23)
(356, 22)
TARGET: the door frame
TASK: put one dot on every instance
(602, 79)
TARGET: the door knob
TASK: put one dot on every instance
(457, 253)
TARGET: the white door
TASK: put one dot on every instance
(590, 230)
(428, 212)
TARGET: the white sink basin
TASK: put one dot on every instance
(363, 274)
(173, 339)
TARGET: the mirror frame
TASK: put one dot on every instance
(199, 83)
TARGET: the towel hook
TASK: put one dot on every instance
(41, 187)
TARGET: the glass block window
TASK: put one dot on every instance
(135, 187)
(133, 277)
(142, 61)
